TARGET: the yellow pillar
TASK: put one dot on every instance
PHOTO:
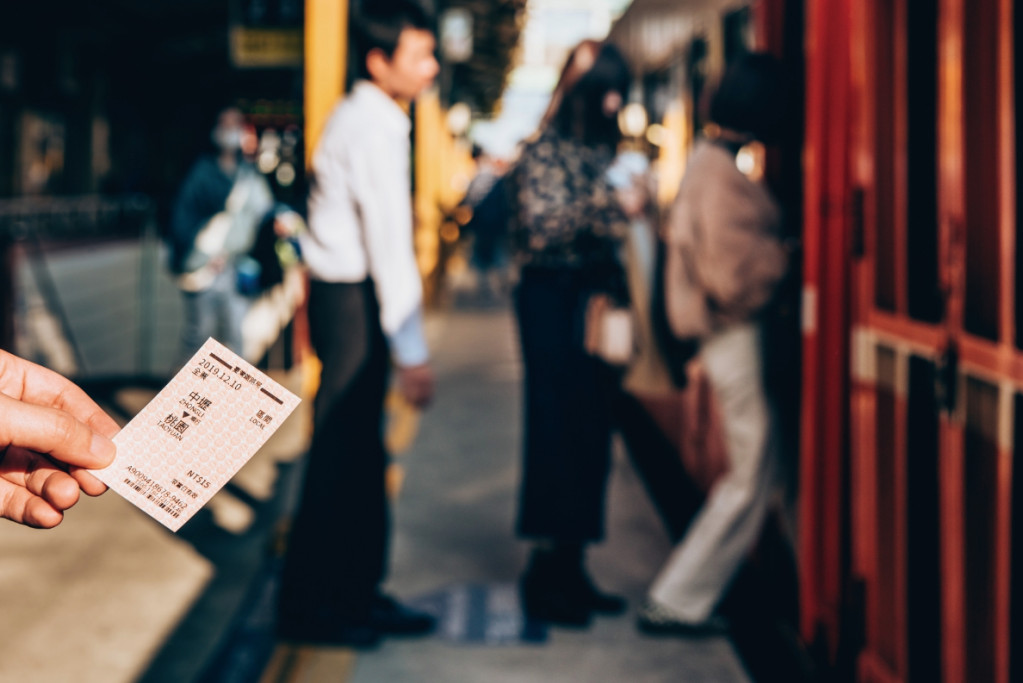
(428, 151)
(326, 45)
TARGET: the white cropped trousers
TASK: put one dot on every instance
(725, 529)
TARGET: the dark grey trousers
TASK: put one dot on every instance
(338, 546)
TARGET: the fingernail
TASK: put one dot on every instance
(103, 449)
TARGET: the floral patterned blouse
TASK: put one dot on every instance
(566, 211)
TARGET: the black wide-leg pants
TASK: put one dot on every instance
(567, 396)
(573, 402)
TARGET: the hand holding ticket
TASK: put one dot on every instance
(196, 434)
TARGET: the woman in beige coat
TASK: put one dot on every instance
(724, 260)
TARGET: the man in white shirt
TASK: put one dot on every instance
(365, 311)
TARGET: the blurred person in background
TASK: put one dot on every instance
(486, 198)
(724, 262)
(483, 181)
(50, 433)
(214, 222)
(365, 312)
(566, 235)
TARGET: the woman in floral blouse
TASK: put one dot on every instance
(566, 234)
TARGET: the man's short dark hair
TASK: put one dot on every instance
(377, 25)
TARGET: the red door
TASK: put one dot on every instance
(824, 520)
(935, 358)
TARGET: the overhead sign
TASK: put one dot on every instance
(266, 47)
(266, 33)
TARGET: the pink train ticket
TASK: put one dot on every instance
(196, 434)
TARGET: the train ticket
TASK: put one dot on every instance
(196, 434)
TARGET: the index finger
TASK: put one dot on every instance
(25, 381)
(54, 432)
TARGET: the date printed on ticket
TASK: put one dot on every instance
(196, 434)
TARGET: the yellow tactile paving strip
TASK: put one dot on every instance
(294, 664)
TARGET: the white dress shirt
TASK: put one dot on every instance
(360, 213)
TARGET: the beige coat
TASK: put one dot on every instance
(724, 257)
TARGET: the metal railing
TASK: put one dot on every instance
(85, 276)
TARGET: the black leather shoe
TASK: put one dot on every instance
(391, 618)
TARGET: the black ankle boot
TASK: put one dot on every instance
(557, 589)
(600, 602)
(547, 596)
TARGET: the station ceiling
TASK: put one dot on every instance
(651, 30)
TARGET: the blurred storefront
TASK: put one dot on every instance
(678, 50)
(109, 104)
(115, 96)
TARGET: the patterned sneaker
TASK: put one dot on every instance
(657, 620)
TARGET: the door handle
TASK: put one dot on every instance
(946, 379)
